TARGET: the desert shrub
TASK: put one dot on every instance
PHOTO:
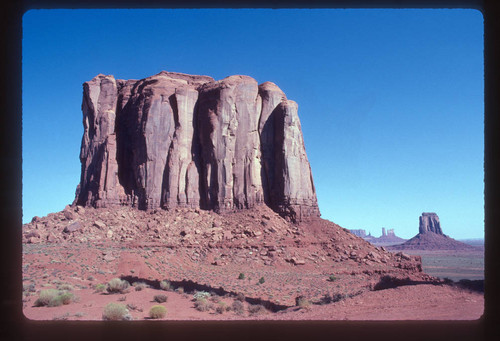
(240, 297)
(303, 303)
(157, 312)
(160, 298)
(115, 312)
(201, 294)
(165, 285)
(53, 298)
(46, 296)
(100, 287)
(256, 309)
(241, 276)
(332, 278)
(117, 285)
(238, 307)
(66, 287)
(261, 280)
(66, 297)
(202, 304)
(222, 307)
(139, 286)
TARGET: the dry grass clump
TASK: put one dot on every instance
(65, 287)
(157, 312)
(117, 285)
(240, 297)
(165, 285)
(202, 304)
(256, 309)
(238, 307)
(222, 307)
(303, 303)
(139, 286)
(115, 312)
(53, 298)
(100, 287)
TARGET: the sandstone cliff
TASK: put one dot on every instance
(176, 140)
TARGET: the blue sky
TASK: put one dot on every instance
(390, 101)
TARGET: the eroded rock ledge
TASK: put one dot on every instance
(176, 140)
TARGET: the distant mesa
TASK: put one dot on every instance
(388, 237)
(431, 237)
(175, 140)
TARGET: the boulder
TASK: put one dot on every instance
(72, 227)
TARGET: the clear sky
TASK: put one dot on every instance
(391, 101)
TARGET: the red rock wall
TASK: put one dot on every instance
(176, 140)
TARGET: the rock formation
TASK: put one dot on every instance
(431, 237)
(429, 222)
(176, 140)
(388, 237)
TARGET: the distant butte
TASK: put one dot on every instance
(431, 237)
(388, 237)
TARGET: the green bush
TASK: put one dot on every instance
(241, 276)
(160, 298)
(261, 280)
(157, 312)
(66, 297)
(100, 287)
(332, 278)
(117, 285)
(115, 312)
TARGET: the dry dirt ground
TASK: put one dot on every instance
(253, 264)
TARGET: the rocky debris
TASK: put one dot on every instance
(174, 140)
(239, 236)
(73, 227)
(429, 222)
(296, 261)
